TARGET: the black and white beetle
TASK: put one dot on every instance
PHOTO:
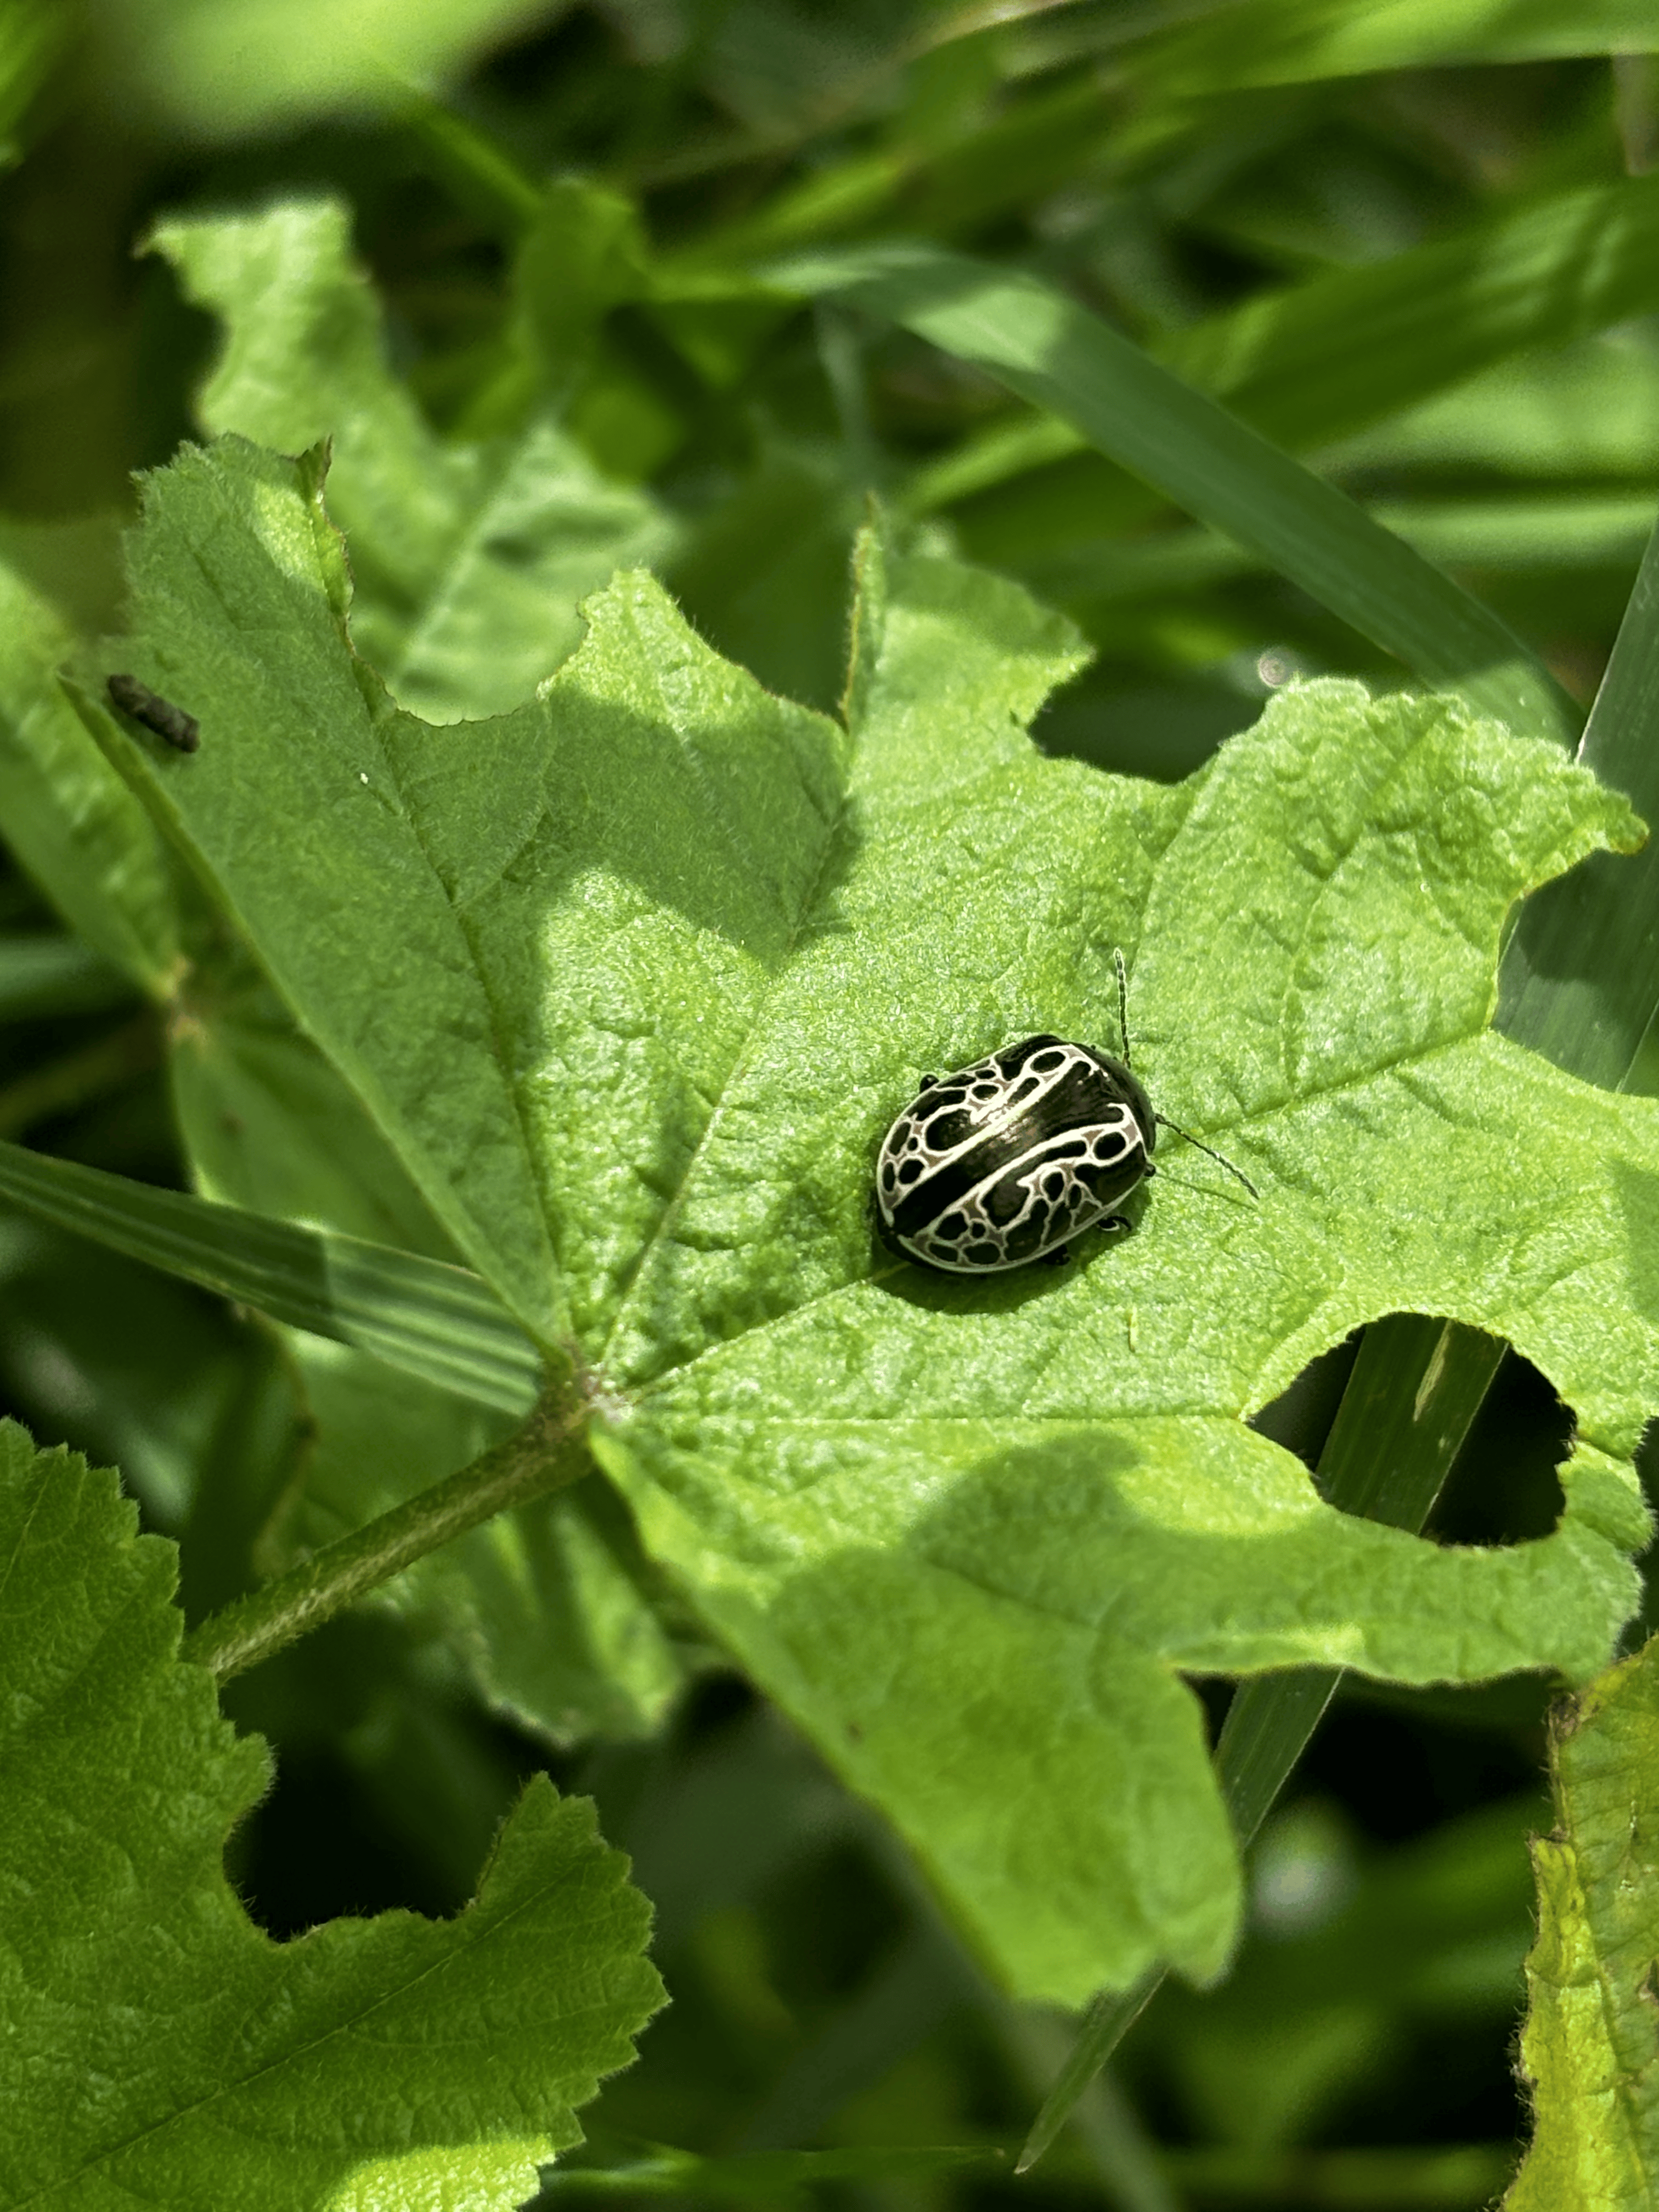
(1002, 1163)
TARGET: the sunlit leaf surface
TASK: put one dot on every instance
(162, 2048)
(672, 952)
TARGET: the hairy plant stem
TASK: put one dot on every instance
(547, 1453)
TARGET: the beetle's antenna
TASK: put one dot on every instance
(1164, 1122)
(1123, 1003)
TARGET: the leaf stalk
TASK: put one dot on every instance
(547, 1453)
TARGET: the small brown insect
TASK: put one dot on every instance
(181, 731)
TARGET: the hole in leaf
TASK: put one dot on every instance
(1300, 1417)
(1504, 1487)
(391, 1801)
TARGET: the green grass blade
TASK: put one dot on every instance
(1315, 361)
(1029, 335)
(1386, 1459)
(31, 37)
(1508, 536)
(740, 2177)
(1580, 978)
(1105, 2024)
(45, 973)
(1299, 41)
(433, 1321)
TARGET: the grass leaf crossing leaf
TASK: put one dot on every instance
(671, 952)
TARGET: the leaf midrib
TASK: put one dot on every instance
(833, 826)
(568, 2092)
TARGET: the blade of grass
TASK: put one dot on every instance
(47, 972)
(1579, 983)
(1580, 978)
(1318, 360)
(484, 178)
(1102, 2116)
(1297, 41)
(1037, 341)
(659, 2170)
(1570, 530)
(31, 39)
(430, 1320)
(1386, 1459)
(79, 1079)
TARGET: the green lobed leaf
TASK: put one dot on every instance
(458, 1116)
(468, 560)
(1590, 2046)
(270, 1129)
(969, 1533)
(162, 2048)
(468, 563)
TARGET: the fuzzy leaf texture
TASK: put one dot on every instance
(160, 2048)
(545, 1605)
(634, 977)
(1590, 2046)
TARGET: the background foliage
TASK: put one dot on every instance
(506, 258)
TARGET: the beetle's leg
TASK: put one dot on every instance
(1058, 1258)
